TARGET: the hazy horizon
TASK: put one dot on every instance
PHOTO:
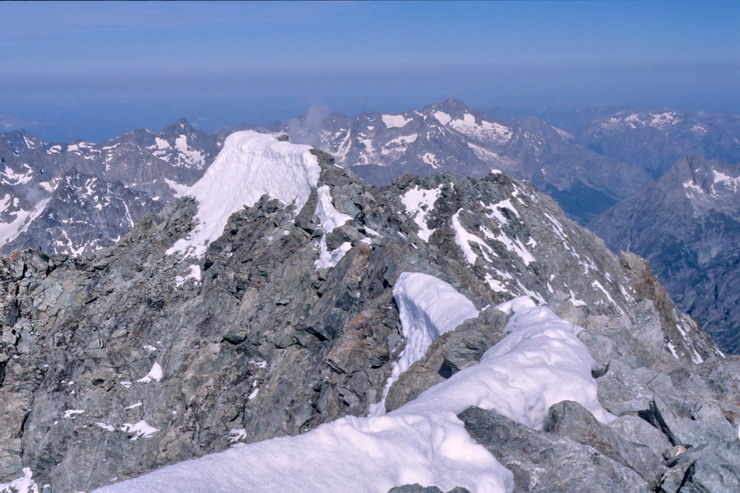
(96, 70)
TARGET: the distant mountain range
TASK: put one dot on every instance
(655, 140)
(76, 198)
(450, 137)
(687, 224)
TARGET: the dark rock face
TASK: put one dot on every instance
(125, 361)
(687, 224)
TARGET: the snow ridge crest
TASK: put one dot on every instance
(249, 166)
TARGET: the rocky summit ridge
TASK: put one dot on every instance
(131, 359)
(75, 198)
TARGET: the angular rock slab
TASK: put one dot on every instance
(546, 462)
(572, 420)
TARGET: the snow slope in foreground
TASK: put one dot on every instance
(539, 362)
(249, 165)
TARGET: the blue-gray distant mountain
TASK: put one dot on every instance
(379, 147)
(687, 224)
(83, 214)
(75, 198)
(450, 137)
(655, 139)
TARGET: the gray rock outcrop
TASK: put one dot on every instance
(546, 462)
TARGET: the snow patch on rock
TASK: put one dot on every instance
(484, 130)
(431, 159)
(154, 375)
(139, 429)
(249, 166)
(428, 307)
(330, 220)
(419, 203)
(442, 117)
(395, 121)
(186, 155)
(24, 484)
(23, 218)
(726, 180)
(463, 239)
(193, 274)
(105, 426)
(10, 177)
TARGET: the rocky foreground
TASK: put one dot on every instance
(153, 352)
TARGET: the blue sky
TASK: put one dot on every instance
(94, 70)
